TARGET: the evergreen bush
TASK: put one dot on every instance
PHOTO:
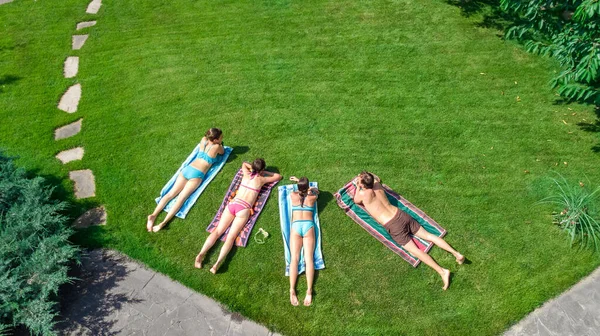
(568, 31)
(34, 251)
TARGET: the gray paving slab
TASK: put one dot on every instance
(79, 41)
(69, 155)
(71, 66)
(94, 7)
(70, 99)
(575, 312)
(68, 131)
(95, 216)
(85, 185)
(85, 24)
(118, 296)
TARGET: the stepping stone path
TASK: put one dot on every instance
(78, 41)
(85, 186)
(2, 2)
(68, 131)
(70, 100)
(71, 66)
(115, 295)
(94, 6)
(85, 24)
(95, 216)
(69, 155)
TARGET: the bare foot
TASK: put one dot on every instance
(460, 259)
(198, 261)
(158, 227)
(215, 268)
(308, 298)
(446, 279)
(293, 298)
(150, 223)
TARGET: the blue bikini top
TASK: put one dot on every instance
(204, 154)
(303, 208)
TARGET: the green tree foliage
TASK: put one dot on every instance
(34, 251)
(567, 30)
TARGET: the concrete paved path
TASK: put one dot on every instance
(575, 312)
(117, 296)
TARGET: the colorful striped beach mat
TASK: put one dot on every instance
(345, 200)
(285, 218)
(210, 175)
(242, 238)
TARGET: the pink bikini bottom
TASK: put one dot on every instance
(238, 205)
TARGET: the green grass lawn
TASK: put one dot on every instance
(411, 90)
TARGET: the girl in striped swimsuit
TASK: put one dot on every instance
(237, 212)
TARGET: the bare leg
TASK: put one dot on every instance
(428, 260)
(226, 219)
(237, 226)
(295, 247)
(188, 189)
(309, 258)
(422, 233)
(176, 189)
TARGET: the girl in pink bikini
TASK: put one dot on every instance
(237, 212)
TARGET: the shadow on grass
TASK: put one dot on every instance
(237, 150)
(593, 127)
(324, 199)
(7, 80)
(90, 304)
(489, 11)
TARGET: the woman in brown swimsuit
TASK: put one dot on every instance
(399, 224)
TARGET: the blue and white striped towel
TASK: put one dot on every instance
(285, 217)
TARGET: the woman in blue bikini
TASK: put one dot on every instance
(190, 177)
(304, 202)
(237, 212)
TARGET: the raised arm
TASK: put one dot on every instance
(271, 177)
(246, 168)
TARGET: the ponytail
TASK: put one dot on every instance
(303, 189)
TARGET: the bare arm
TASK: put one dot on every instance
(246, 168)
(271, 177)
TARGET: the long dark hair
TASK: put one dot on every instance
(303, 189)
(258, 165)
(213, 134)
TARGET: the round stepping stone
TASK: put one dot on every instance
(95, 216)
(85, 186)
(69, 155)
(94, 6)
(85, 24)
(68, 131)
(78, 41)
(70, 100)
(71, 66)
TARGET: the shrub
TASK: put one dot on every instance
(577, 214)
(568, 31)
(34, 251)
